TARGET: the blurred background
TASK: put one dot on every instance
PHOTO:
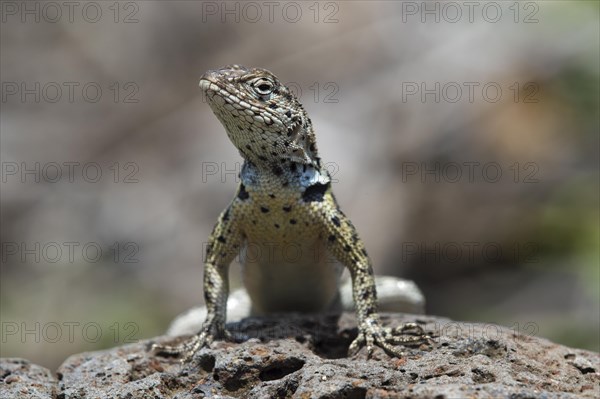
(463, 138)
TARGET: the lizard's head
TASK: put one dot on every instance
(262, 117)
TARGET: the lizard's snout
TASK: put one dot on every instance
(210, 77)
(226, 73)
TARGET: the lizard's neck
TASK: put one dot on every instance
(296, 175)
(291, 160)
(293, 165)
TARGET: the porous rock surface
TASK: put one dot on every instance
(304, 357)
(20, 378)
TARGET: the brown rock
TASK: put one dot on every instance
(304, 357)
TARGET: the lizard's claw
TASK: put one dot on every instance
(372, 333)
(203, 338)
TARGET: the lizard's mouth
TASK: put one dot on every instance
(209, 81)
(205, 84)
(215, 93)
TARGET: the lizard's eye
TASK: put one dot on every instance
(263, 87)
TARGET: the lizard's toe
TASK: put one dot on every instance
(388, 338)
(188, 349)
(358, 343)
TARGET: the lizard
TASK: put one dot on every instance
(284, 199)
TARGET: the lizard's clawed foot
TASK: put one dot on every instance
(203, 338)
(372, 333)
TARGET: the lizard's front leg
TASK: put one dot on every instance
(223, 245)
(344, 243)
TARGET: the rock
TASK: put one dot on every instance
(21, 379)
(293, 356)
(304, 357)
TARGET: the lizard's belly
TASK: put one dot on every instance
(289, 275)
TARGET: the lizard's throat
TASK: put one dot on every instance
(277, 150)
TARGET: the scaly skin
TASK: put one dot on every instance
(283, 205)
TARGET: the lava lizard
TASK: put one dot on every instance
(284, 201)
